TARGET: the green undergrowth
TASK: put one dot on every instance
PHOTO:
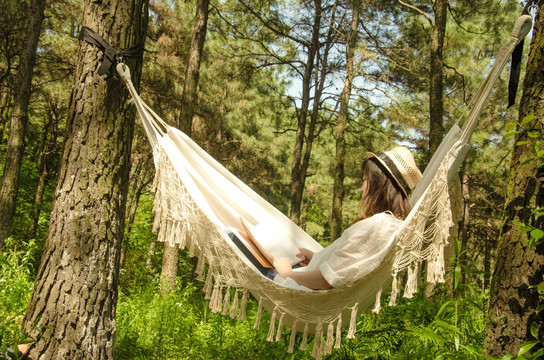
(449, 324)
(16, 280)
(181, 326)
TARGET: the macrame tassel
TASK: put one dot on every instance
(304, 338)
(200, 267)
(353, 322)
(280, 328)
(242, 314)
(192, 249)
(378, 305)
(234, 307)
(208, 286)
(394, 291)
(271, 328)
(411, 283)
(292, 338)
(330, 339)
(258, 318)
(183, 236)
(226, 303)
(338, 332)
(317, 351)
(435, 269)
(215, 301)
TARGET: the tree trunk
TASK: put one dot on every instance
(141, 177)
(5, 100)
(514, 298)
(436, 106)
(188, 101)
(47, 148)
(340, 158)
(19, 118)
(71, 314)
(169, 270)
(487, 256)
(463, 233)
(189, 95)
(298, 176)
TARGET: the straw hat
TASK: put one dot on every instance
(401, 166)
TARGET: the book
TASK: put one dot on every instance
(268, 240)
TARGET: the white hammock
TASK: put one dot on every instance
(197, 200)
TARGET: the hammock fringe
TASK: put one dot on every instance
(186, 178)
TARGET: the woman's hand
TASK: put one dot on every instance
(306, 256)
(283, 267)
(311, 279)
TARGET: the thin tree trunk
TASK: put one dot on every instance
(169, 270)
(436, 106)
(297, 174)
(44, 159)
(150, 254)
(142, 177)
(514, 298)
(463, 227)
(19, 119)
(487, 256)
(188, 101)
(72, 309)
(340, 158)
(5, 99)
(189, 95)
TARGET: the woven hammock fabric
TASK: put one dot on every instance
(197, 201)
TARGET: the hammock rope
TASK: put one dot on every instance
(197, 200)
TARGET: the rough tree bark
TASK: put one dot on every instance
(513, 296)
(340, 158)
(170, 255)
(19, 118)
(71, 314)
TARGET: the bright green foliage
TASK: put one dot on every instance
(16, 279)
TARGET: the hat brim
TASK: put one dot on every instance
(392, 169)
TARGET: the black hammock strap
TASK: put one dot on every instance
(110, 54)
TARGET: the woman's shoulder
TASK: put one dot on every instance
(383, 219)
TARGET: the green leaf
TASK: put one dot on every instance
(527, 119)
(4, 262)
(442, 308)
(457, 276)
(519, 143)
(541, 287)
(526, 347)
(537, 234)
(533, 134)
(534, 330)
(448, 327)
(510, 126)
(456, 247)
(510, 134)
(539, 354)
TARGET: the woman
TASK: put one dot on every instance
(388, 179)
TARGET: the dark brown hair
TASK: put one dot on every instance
(382, 193)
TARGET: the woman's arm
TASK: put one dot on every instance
(312, 279)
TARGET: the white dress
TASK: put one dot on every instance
(361, 249)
